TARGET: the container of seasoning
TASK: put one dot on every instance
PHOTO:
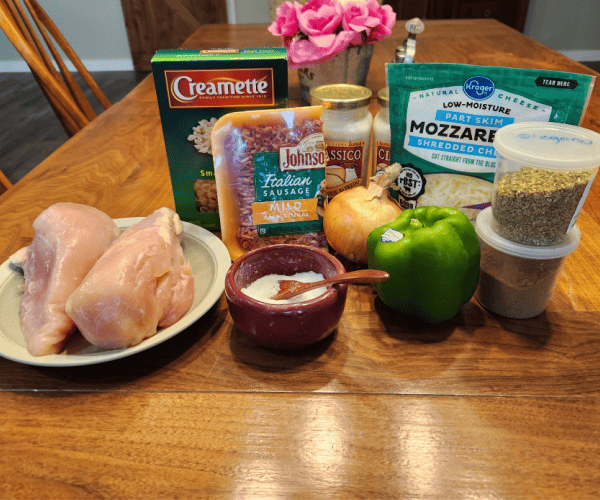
(382, 134)
(515, 280)
(543, 175)
(347, 125)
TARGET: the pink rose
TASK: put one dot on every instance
(317, 49)
(359, 18)
(387, 19)
(330, 28)
(286, 22)
(319, 17)
(287, 40)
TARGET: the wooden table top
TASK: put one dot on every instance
(479, 407)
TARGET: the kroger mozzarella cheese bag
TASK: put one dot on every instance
(444, 117)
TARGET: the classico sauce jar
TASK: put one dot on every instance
(347, 127)
(382, 134)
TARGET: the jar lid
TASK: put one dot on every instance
(383, 97)
(340, 96)
(555, 146)
(485, 230)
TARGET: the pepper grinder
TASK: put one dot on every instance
(406, 52)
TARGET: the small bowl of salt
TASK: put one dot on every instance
(253, 279)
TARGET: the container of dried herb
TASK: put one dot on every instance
(515, 280)
(543, 175)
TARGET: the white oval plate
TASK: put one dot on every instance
(208, 257)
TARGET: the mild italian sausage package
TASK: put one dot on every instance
(270, 172)
(444, 117)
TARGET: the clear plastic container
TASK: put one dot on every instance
(543, 175)
(515, 280)
(347, 127)
(382, 134)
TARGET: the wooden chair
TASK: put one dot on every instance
(66, 97)
(5, 184)
(165, 24)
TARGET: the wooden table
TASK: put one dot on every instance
(479, 407)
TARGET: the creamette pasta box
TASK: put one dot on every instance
(194, 89)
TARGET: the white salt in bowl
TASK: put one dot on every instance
(284, 326)
(543, 174)
(515, 280)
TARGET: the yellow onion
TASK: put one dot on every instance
(351, 215)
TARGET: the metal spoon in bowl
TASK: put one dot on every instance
(291, 288)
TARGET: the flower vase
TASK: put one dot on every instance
(349, 66)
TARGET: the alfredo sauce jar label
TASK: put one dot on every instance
(382, 135)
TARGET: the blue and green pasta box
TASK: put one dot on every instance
(194, 89)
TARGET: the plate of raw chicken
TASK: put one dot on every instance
(209, 261)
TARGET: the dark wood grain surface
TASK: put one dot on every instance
(31, 131)
(479, 407)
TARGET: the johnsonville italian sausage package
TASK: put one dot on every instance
(269, 170)
(444, 117)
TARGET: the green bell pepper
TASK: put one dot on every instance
(432, 255)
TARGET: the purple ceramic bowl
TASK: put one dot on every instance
(284, 326)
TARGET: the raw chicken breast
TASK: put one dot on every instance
(140, 283)
(69, 239)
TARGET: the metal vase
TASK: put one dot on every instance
(349, 66)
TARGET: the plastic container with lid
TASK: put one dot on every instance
(382, 134)
(347, 127)
(543, 175)
(515, 280)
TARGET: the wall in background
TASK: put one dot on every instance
(252, 12)
(569, 26)
(96, 29)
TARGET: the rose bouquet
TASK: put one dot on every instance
(321, 29)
